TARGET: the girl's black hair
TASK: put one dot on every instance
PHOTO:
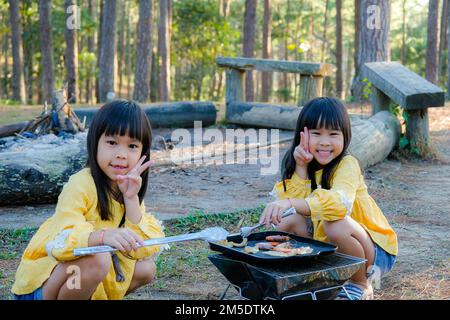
(120, 117)
(319, 113)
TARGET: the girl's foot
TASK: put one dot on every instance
(354, 291)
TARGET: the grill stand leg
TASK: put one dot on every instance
(225, 292)
(313, 294)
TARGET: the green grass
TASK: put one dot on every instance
(182, 260)
(191, 257)
(11, 112)
(13, 242)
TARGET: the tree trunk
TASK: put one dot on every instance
(121, 45)
(224, 7)
(99, 50)
(324, 40)
(143, 53)
(448, 54)
(48, 76)
(431, 71)
(249, 44)
(356, 40)
(339, 72)
(28, 52)
(266, 77)
(71, 53)
(90, 81)
(403, 50)
(108, 50)
(5, 50)
(311, 37)
(443, 36)
(373, 38)
(164, 50)
(129, 58)
(18, 80)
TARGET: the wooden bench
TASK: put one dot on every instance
(391, 81)
(311, 77)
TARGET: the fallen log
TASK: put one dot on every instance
(374, 139)
(169, 114)
(11, 129)
(265, 115)
(38, 175)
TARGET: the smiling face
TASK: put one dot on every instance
(117, 155)
(325, 144)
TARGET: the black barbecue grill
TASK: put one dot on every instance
(318, 276)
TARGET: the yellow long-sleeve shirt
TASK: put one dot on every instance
(76, 217)
(347, 196)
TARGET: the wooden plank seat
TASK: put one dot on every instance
(391, 81)
(311, 75)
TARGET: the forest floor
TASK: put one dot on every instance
(413, 194)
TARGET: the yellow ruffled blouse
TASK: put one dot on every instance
(75, 217)
(348, 196)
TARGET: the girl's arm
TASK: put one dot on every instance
(302, 172)
(132, 209)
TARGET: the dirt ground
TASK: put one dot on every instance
(413, 194)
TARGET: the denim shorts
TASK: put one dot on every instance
(35, 295)
(383, 260)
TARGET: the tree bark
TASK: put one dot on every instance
(106, 76)
(373, 38)
(28, 51)
(339, 72)
(48, 76)
(266, 77)
(164, 50)
(356, 44)
(18, 80)
(448, 54)
(71, 53)
(107, 50)
(129, 57)
(90, 81)
(249, 44)
(143, 53)
(403, 49)
(5, 50)
(443, 36)
(431, 71)
(121, 45)
(99, 50)
(324, 40)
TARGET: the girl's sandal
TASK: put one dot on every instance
(351, 291)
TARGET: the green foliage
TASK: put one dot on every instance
(395, 109)
(200, 34)
(367, 88)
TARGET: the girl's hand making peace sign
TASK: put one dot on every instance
(301, 154)
(130, 184)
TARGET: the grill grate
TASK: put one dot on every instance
(288, 277)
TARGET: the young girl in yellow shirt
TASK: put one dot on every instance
(326, 187)
(100, 205)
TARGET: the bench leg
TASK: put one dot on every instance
(310, 87)
(379, 101)
(417, 129)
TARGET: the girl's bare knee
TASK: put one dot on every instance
(98, 266)
(335, 230)
(147, 272)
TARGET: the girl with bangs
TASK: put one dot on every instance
(324, 184)
(100, 205)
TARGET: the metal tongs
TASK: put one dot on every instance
(209, 234)
(246, 231)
